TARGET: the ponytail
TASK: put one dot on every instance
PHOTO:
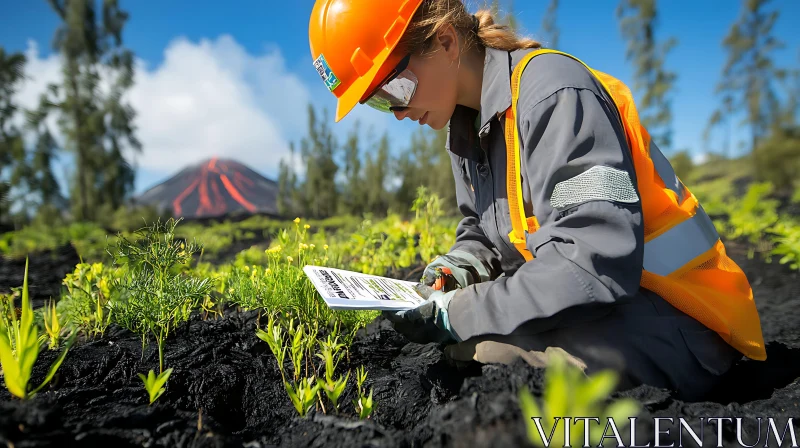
(479, 29)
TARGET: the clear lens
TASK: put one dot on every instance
(396, 93)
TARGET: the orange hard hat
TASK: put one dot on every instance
(352, 43)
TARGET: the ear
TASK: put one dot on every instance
(448, 40)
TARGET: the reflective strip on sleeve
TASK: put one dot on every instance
(681, 244)
(665, 171)
(597, 183)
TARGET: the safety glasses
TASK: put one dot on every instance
(394, 93)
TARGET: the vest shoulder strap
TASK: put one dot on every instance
(519, 222)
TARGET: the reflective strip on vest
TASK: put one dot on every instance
(681, 244)
(665, 171)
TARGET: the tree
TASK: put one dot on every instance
(638, 23)
(96, 123)
(376, 172)
(318, 152)
(507, 17)
(287, 186)
(12, 149)
(426, 163)
(550, 32)
(749, 74)
(354, 191)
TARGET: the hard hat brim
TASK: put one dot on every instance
(353, 95)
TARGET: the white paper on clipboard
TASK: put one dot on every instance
(348, 290)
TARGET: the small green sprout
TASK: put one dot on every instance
(568, 393)
(331, 356)
(303, 394)
(297, 348)
(19, 348)
(155, 384)
(273, 336)
(363, 404)
(52, 325)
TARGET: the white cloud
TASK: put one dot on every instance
(213, 99)
(207, 98)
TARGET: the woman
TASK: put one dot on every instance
(577, 236)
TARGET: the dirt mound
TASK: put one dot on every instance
(226, 390)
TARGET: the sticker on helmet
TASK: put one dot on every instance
(325, 72)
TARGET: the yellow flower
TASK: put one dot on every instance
(312, 246)
(325, 247)
(297, 220)
(267, 271)
(289, 259)
(306, 226)
(247, 268)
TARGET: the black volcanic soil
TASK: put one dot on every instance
(226, 390)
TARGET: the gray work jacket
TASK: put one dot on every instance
(590, 244)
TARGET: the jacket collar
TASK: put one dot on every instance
(495, 99)
(496, 86)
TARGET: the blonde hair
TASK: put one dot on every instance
(480, 29)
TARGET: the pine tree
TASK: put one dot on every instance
(426, 163)
(376, 173)
(319, 151)
(638, 22)
(287, 186)
(550, 32)
(354, 194)
(97, 125)
(749, 74)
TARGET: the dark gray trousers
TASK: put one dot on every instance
(644, 339)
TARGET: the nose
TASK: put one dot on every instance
(400, 113)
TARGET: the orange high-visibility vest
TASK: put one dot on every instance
(684, 259)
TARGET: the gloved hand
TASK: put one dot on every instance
(429, 321)
(464, 267)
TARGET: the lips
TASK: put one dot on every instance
(423, 119)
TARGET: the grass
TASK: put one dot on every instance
(154, 279)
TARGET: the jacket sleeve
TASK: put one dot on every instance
(590, 244)
(469, 234)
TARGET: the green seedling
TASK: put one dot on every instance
(362, 404)
(569, 393)
(52, 325)
(19, 349)
(155, 384)
(297, 348)
(85, 304)
(331, 356)
(273, 336)
(303, 394)
(154, 295)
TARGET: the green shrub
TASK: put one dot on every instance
(155, 296)
(86, 303)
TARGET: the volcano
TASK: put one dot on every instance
(213, 188)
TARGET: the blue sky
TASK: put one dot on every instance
(254, 56)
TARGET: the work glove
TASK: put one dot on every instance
(428, 322)
(463, 267)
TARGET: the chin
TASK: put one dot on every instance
(436, 125)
